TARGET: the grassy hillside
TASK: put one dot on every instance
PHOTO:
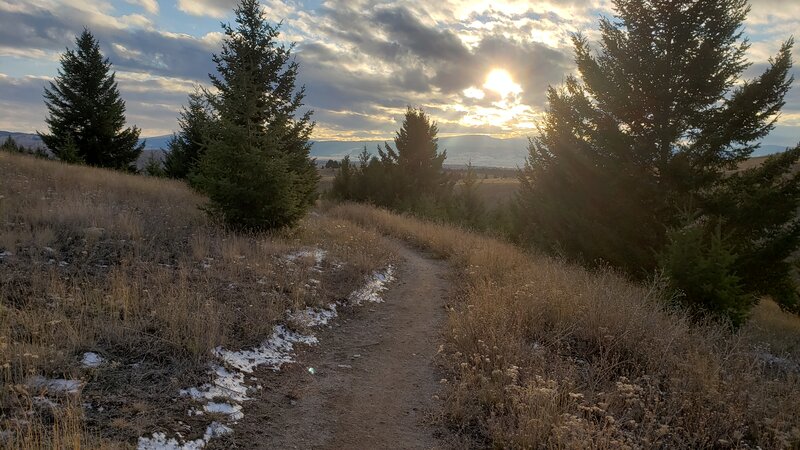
(546, 354)
(128, 268)
(538, 353)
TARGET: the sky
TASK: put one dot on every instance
(477, 66)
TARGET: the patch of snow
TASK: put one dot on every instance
(376, 284)
(44, 401)
(55, 385)
(232, 411)
(91, 359)
(159, 441)
(778, 362)
(273, 353)
(216, 429)
(318, 254)
(227, 389)
(225, 385)
(312, 317)
(5, 254)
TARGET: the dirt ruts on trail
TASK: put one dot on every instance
(375, 376)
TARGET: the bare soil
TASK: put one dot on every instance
(375, 379)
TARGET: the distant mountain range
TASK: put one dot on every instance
(484, 151)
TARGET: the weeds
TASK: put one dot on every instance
(546, 354)
(129, 268)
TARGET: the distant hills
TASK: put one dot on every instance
(484, 151)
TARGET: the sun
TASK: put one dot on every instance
(500, 81)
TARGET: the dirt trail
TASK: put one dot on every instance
(375, 374)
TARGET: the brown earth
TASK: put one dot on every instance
(376, 380)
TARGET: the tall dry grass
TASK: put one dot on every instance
(546, 354)
(128, 267)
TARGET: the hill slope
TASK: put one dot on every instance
(124, 308)
(116, 293)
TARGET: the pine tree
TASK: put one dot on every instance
(256, 169)
(757, 209)
(654, 124)
(86, 114)
(154, 167)
(343, 182)
(185, 149)
(417, 157)
(472, 208)
(10, 145)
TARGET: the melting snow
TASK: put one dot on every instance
(55, 385)
(228, 389)
(312, 317)
(317, 253)
(273, 353)
(233, 411)
(375, 285)
(91, 359)
(225, 385)
(159, 441)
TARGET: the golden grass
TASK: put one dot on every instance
(130, 268)
(546, 354)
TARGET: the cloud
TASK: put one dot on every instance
(130, 42)
(152, 102)
(150, 6)
(211, 8)
(362, 61)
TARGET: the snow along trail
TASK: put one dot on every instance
(228, 381)
(374, 377)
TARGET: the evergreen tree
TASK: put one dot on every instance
(86, 114)
(758, 210)
(154, 167)
(186, 147)
(343, 182)
(256, 169)
(654, 124)
(10, 145)
(417, 158)
(472, 210)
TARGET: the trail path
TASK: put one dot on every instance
(375, 374)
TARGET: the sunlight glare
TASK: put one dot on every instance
(473, 92)
(499, 80)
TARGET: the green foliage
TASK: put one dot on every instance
(154, 167)
(759, 208)
(86, 113)
(186, 147)
(655, 122)
(343, 183)
(416, 161)
(10, 145)
(332, 164)
(408, 177)
(701, 267)
(256, 168)
(470, 208)
(69, 152)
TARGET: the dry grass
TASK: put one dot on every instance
(129, 268)
(547, 354)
